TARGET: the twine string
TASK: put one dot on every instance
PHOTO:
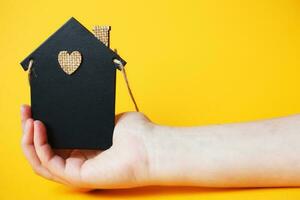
(29, 69)
(121, 67)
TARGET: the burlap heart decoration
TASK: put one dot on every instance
(69, 62)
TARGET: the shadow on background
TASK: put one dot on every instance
(149, 191)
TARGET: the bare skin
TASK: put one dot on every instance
(263, 153)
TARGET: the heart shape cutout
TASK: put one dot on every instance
(69, 62)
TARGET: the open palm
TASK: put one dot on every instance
(121, 166)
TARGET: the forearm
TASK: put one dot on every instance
(261, 153)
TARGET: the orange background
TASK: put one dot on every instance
(189, 63)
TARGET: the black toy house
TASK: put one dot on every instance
(72, 82)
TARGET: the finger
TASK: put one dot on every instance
(73, 165)
(51, 161)
(29, 151)
(25, 114)
(31, 155)
(102, 170)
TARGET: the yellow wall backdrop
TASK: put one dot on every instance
(189, 63)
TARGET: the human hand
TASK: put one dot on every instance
(123, 165)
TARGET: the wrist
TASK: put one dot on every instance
(164, 155)
(176, 156)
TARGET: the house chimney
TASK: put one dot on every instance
(102, 33)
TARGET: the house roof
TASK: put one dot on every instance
(71, 27)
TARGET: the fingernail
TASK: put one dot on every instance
(37, 122)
